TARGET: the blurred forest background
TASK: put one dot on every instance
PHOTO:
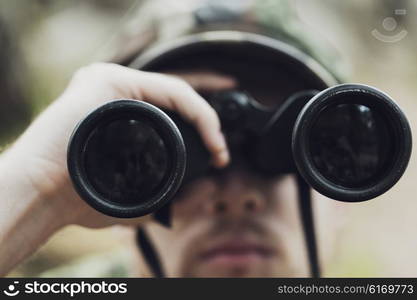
(42, 42)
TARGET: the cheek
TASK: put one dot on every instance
(168, 244)
(283, 217)
(283, 200)
(193, 202)
(286, 222)
(173, 245)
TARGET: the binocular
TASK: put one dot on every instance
(350, 142)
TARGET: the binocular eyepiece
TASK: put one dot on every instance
(350, 142)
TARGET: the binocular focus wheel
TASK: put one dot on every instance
(351, 142)
(137, 168)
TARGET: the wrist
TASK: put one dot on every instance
(27, 217)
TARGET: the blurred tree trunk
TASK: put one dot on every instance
(14, 109)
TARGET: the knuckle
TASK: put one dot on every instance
(212, 115)
(180, 83)
(96, 70)
(207, 118)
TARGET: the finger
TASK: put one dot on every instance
(206, 80)
(182, 98)
(177, 95)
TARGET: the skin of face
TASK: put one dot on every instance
(233, 225)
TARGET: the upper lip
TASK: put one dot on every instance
(237, 246)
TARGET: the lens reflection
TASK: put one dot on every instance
(126, 160)
(351, 145)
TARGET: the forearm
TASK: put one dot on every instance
(27, 216)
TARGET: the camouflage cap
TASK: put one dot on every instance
(158, 21)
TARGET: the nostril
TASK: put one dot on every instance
(220, 207)
(250, 205)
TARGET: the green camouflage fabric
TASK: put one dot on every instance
(158, 21)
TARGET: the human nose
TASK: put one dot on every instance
(237, 197)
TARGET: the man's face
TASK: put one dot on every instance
(234, 225)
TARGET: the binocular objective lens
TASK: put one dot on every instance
(351, 145)
(126, 160)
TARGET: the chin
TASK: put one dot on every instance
(236, 271)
